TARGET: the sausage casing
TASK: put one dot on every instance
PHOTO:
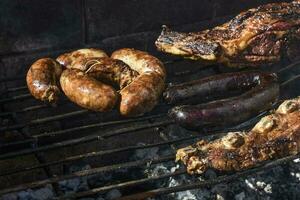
(87, 91)
(70, 60)
(231, 110)
(110, 71)
(43, 78)
(143, 93)
(211, 87)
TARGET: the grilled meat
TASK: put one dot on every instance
(274, 136)
(256, 37)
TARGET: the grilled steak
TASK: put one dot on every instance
(256, 37)
(274, 136)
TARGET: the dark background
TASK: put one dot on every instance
(34, 28)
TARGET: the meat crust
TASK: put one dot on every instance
(43, 78)
(258, 36)
(274, 136)
(142, 94)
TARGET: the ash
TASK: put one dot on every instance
(45, 193)
(88, 182)
(70, 186)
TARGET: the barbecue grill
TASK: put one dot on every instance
(39, 143)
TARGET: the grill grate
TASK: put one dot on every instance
(38, 144)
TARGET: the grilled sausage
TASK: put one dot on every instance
(107, 70)
(42, 79)
(143, 93)
(212, 87)
(87, 91)
(232, 110)
(69, 59)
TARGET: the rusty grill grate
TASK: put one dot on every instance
(27, 141)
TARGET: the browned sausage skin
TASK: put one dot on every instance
(42, 79)
(142, 94)
(87, 91)
(111, 71)
(69, 59)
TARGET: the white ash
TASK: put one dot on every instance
(45, 193)
(113, 194)
(145, 153)
(68, 186)
(75, 184)
(89, 182)
(168, 167)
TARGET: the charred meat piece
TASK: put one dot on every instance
(274, 136)
(256, 37)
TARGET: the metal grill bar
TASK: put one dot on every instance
(44, 120)
(220, 179)
(93, 171)
(121, 185)
(15, 89)
(104, 152)
(83, 139)
(31, 108)
(15, 98)
(98, 153)
(35, 138)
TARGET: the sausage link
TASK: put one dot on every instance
(212, 87)
(42, 79)
(143, 93)
(87, 91)
(232, 110)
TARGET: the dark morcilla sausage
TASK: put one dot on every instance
(264, 92)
